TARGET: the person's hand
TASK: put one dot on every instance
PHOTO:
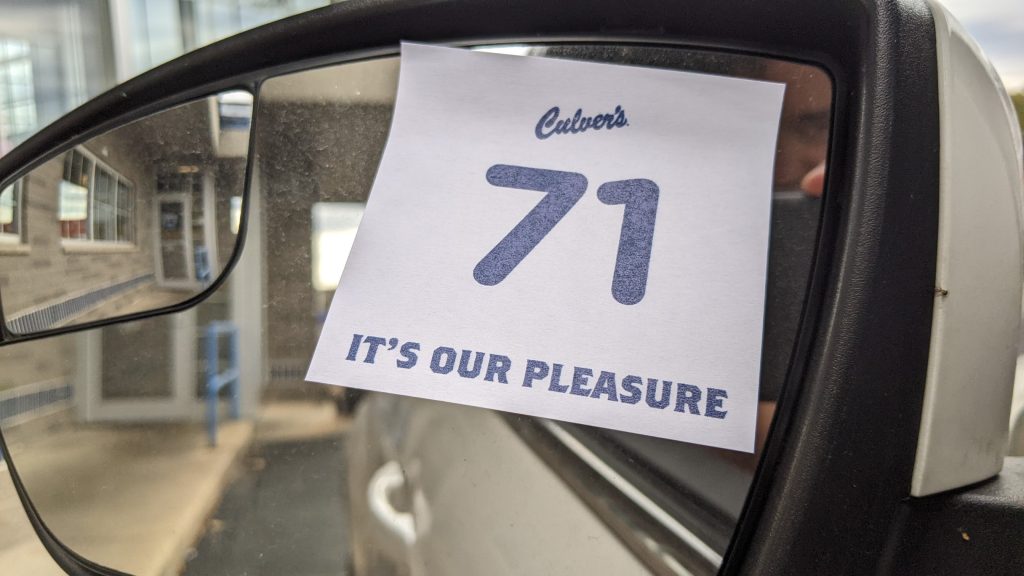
(813, 183)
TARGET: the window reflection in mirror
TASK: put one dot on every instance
(316, 479)
(135, 219)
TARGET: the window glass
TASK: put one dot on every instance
(55, 55)
(95, 202)
(334, 230)
(103, 206)
(11, 213)
(17, 96)
(166, 29)
(125, 212)
(215, 19)
(319, 479)
(74, 196)
(647, 490)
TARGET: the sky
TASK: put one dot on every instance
(998, 27)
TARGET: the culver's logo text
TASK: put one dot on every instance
(550, 123)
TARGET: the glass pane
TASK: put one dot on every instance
(124, 212)
(10, 211)
(17, 104)
(85, 173)
(146, 374)
(7, 206)
(23, 117)
(334, 230)
(344, 114)
(73, 197)
(21, 92)
(97, 250)
(104, 206)
(16, 49)
(173, 240)
(295, 484)
(20, 72)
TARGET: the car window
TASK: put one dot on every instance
(285, 476)
(54, 56)
(675, 487)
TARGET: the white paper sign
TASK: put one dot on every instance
(578, 241)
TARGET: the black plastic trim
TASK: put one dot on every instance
(838, 463)
(976, 530)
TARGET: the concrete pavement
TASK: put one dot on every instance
(19, 547)
(145, 499)
(131, 497)
(286, 514)
(134, 498)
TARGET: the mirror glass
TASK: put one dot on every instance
(136, 219)
(133, 463)
(459, 478)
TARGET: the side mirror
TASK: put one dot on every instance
(140, 218)
(892, 295)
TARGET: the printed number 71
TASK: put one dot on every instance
(564, 190)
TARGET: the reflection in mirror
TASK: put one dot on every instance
(139, 217)
(445, 450)
(310, 479)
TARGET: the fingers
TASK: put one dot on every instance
(813, 183)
